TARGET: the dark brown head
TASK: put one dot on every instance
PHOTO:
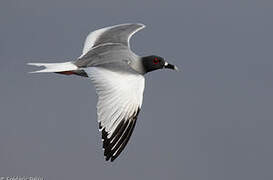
(151, 63)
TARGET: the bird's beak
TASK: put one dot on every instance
(170, 66)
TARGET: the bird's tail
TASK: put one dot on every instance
(55, 67)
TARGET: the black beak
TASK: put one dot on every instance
(170, 66)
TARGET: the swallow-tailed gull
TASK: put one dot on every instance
(118, 76)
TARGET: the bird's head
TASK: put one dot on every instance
(151, 63)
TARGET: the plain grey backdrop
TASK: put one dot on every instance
(213, 120)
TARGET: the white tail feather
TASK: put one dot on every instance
(54, 67)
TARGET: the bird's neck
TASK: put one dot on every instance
(138, 65)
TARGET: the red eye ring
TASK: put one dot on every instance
(155, 61)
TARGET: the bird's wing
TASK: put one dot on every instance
(120, 97)
(115, 34)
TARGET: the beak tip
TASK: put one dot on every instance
(170, 66)
(176, 69)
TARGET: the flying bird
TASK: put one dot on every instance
(118, 76)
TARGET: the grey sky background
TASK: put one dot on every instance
(213, 120)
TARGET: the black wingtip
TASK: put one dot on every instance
(114, 145)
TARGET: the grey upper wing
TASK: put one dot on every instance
(115, 34)
(108, 53)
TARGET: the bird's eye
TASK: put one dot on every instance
(155, 61)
